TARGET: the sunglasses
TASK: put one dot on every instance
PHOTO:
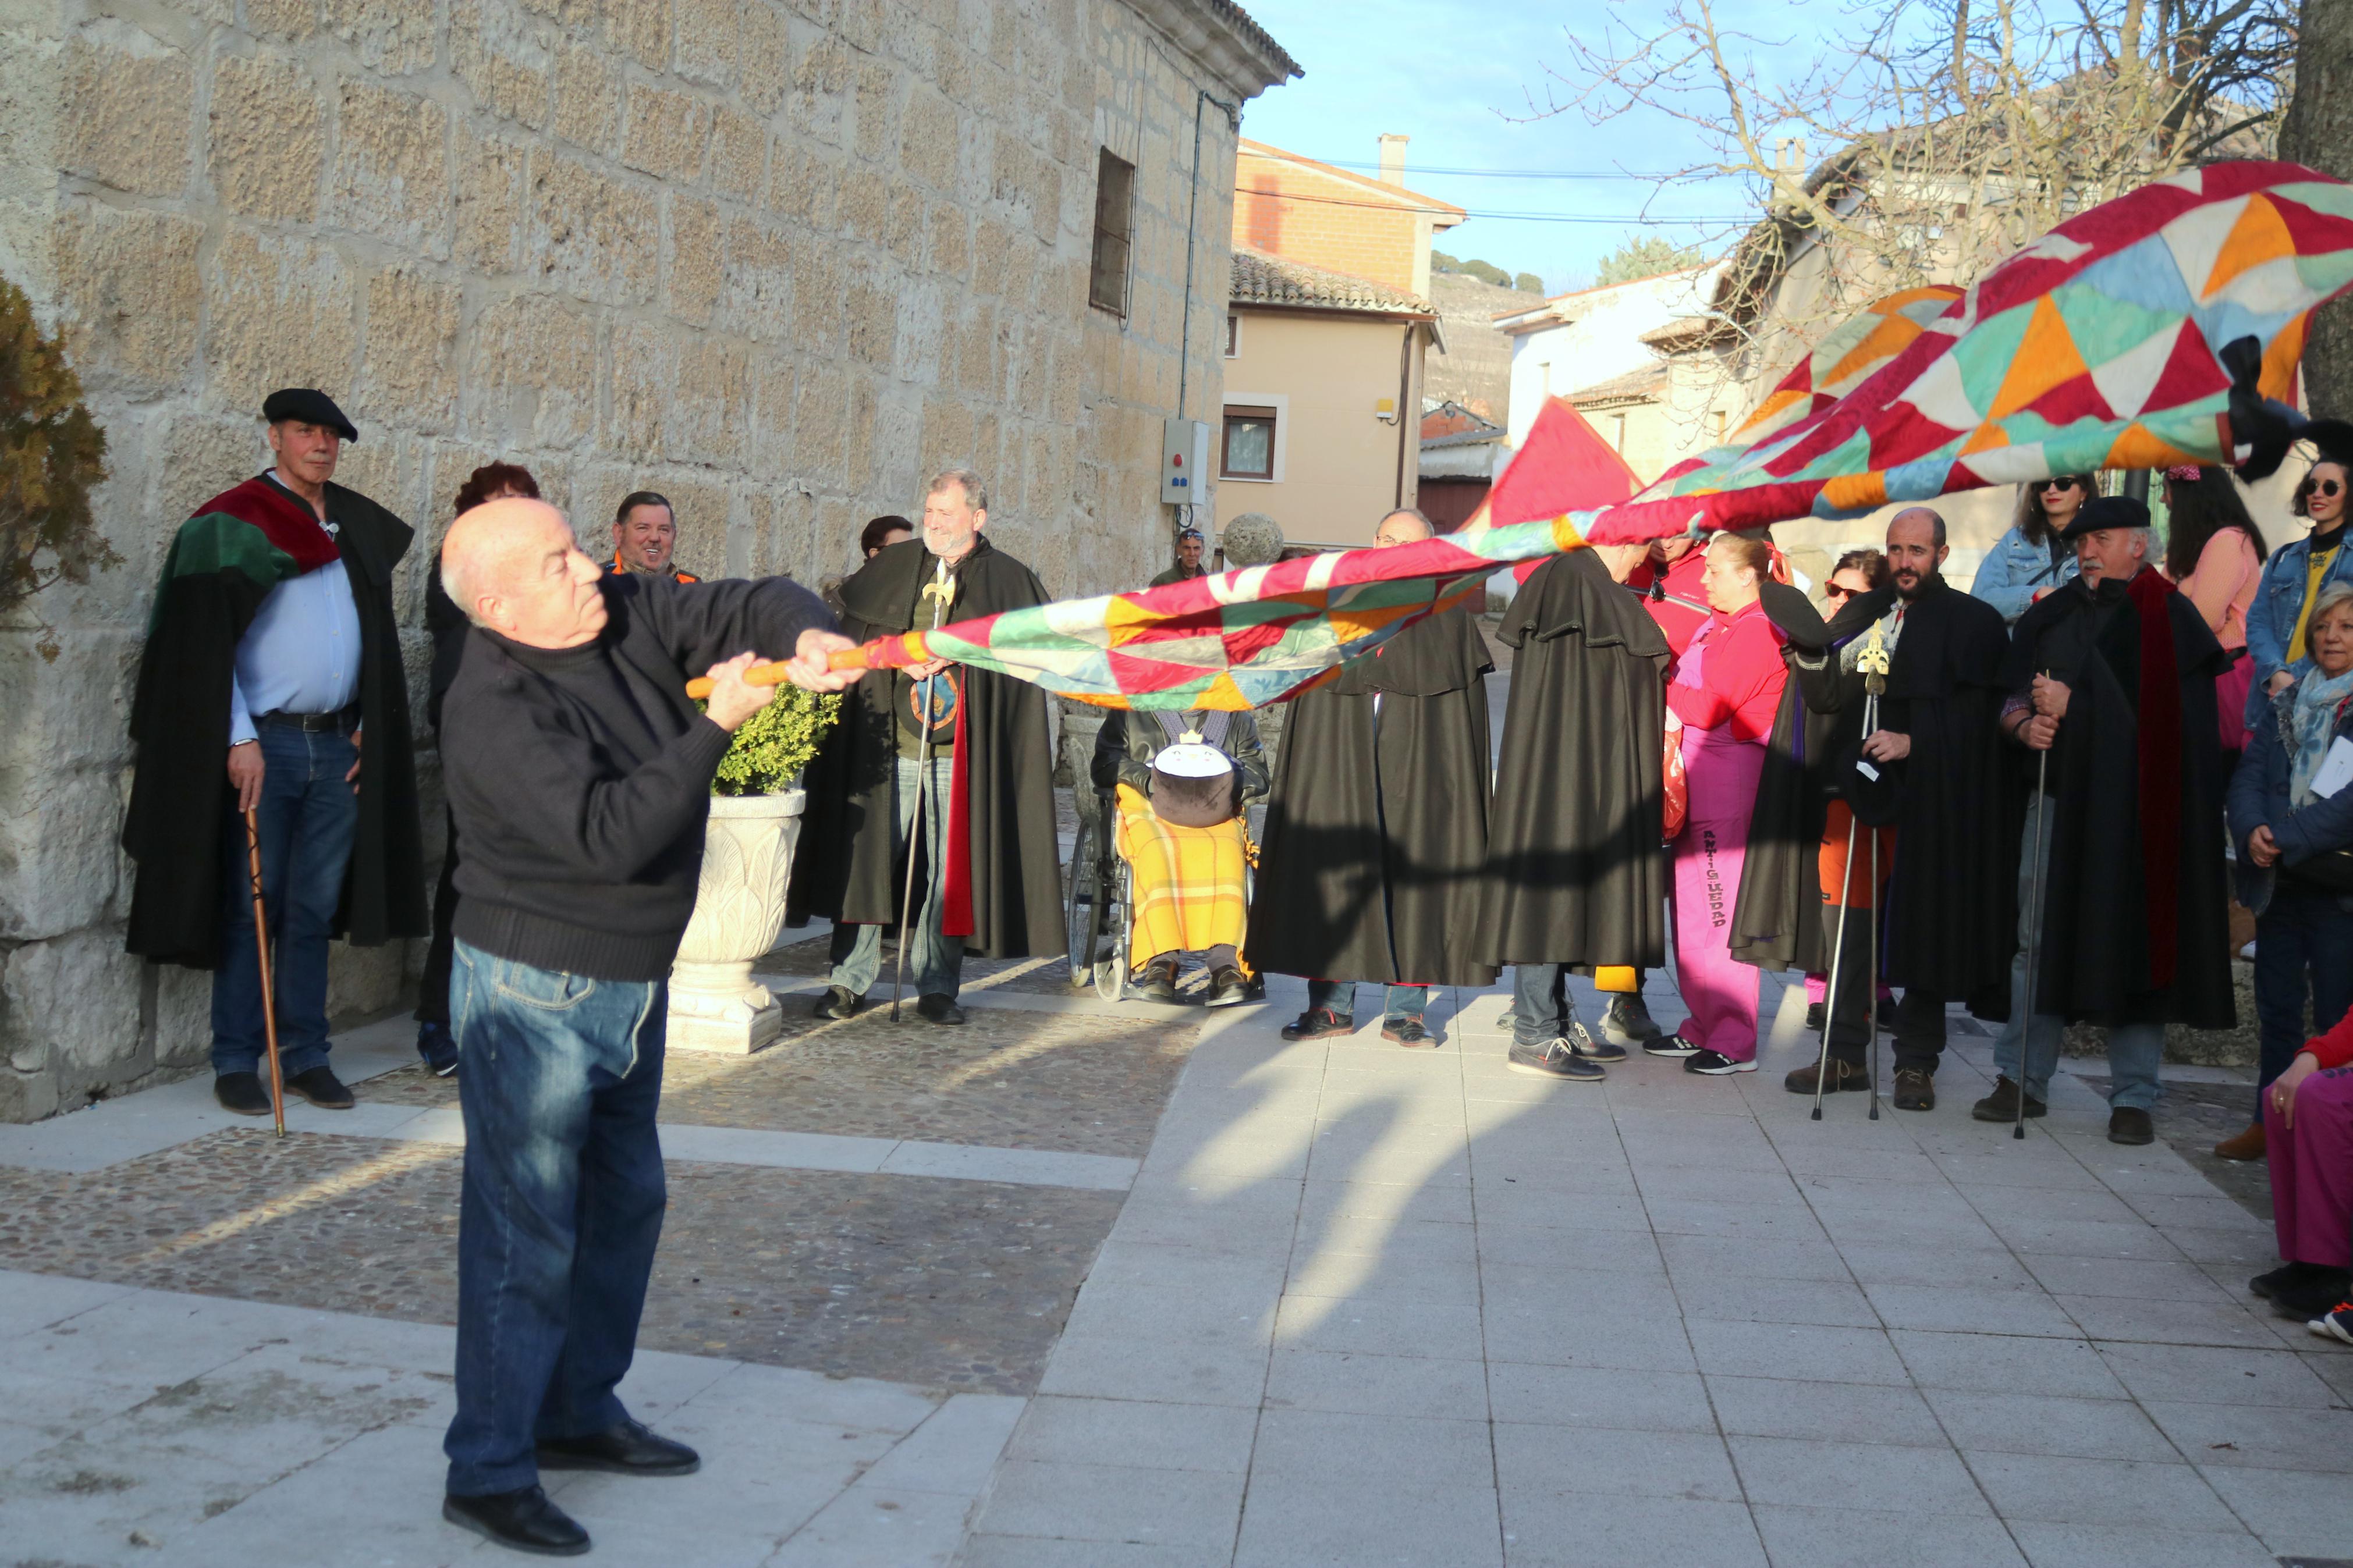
(2039, 486)
(2318, 488)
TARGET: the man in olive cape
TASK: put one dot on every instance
(996, 879)
(1377, 828)
(2113, 675)
(189, 900)
(1575, 874)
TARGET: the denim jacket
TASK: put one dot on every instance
(2259, 797)
(2271, 619)
(2014, 571)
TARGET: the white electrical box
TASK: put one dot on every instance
(1185, 462)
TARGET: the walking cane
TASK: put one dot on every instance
(262, 955)
(2033, 932)
(1837, 957)
(941, 591)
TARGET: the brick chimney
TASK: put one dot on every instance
(1393, 158)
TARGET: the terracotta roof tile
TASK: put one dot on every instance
(1263, 279)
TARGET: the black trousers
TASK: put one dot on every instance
(1919, 1014)
(433, 990)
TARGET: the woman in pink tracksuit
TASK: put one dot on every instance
(1725, 689)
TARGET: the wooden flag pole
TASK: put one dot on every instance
(262, 955)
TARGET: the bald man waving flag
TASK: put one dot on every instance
(580, 775)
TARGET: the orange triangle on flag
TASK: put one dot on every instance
(2045, 357)
(1984, 438)
(2281, 357)
(2258, 236)
(1223, 695)
(1126, 621)
(2137, 448)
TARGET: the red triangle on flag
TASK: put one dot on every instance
(1562, 466)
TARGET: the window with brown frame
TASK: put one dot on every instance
(1249, 444)
(1114, 231)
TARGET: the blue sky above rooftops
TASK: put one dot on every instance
(1458, 78)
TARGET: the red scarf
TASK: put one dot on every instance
(2159, 735)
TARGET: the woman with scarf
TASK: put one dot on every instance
(2279, 622)
(2213, 554)
(1726, 689)
(2292, 829)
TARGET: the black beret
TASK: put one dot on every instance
(309, 405)
(2106, 511)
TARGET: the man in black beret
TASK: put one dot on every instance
(2113, 674)
(271, 682)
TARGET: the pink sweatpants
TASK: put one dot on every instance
(1720, 990)
(2312, 1171)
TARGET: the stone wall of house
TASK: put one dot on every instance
(776, 260)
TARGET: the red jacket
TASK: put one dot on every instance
(2334, 1048)
(1682, 608)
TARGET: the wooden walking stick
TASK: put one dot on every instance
(261, 955)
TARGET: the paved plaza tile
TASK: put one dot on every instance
(1148, 1285)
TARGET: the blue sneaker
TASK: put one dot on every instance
(439, 1052)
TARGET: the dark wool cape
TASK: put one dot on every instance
(1575, 872)
(222, 563)
(1952, 901)
(844, 867)
(2102, 925)
(1776, 921)
(1378, 824)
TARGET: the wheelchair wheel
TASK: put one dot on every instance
(1113, 970)
(1082, 906)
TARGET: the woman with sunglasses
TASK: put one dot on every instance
(2280, 620)
(2028, 561)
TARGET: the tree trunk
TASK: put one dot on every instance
(2318, 131)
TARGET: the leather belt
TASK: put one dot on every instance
(342, 721)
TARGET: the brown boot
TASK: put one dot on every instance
(2247, 1145)
(2002, 1105)
(1843, 1075)
(1915, 1090)
(2130, 1124)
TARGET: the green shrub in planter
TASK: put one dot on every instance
(775, 744)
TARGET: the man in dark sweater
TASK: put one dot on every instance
(580, 776)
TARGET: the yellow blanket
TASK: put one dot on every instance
(1190, 892)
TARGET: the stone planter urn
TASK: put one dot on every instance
(738, 909)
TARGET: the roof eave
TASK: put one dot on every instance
(1220, 35)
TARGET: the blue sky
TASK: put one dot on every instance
(1457, 78)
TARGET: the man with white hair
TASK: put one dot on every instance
(580, 775)
(2113, 674)
(972, 746)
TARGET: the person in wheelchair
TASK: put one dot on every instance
(1179, 785)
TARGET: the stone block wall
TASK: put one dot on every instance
(775, 260)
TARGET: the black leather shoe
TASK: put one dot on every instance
(626, 1449)
(1227, 988)
(523, 1520)
(1318, 1023)
(321, 1088)
(1158, 981)
(939, 1008)
(2130, 1124)
(242, 1092)
(838, 1002)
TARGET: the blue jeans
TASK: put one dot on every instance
(934, 963)
(1399, 1003)
(307, 818)
(2304, 940)
(564, 1199)
(2135, 1050)
(1541, 1009)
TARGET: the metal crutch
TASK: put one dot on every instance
(941, 591)
(1837, 957)
(1874, 665)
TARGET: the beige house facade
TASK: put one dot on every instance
(775, 260)
(1321, 400)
